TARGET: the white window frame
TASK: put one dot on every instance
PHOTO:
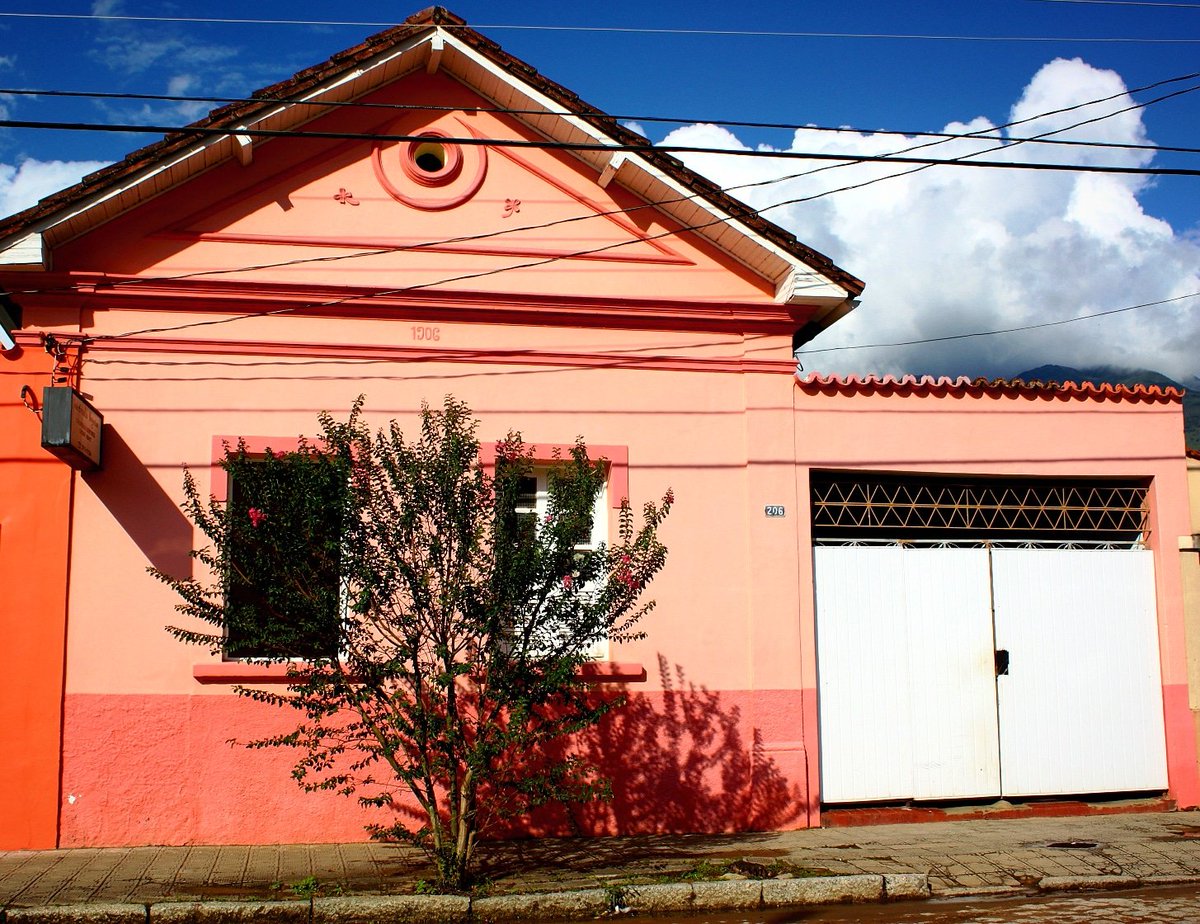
(599, 650)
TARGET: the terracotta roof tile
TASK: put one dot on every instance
(815, 383)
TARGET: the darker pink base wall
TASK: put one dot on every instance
(159, 770)
(1183, 772)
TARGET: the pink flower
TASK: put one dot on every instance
(625, 559)
(669, 497)
(256, 516)
(567, 581)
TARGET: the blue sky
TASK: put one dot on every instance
(1117, 235)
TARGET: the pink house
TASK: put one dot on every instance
(879, 593)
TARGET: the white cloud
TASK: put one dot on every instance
(956, 249)
(134, 48)
(22, 185)
(120, 51)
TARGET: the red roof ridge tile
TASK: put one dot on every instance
(815, 382)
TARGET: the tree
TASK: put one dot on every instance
(442, 629)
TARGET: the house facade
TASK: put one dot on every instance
(477, 230)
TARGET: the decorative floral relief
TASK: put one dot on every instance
(511, 207)
(345, 197)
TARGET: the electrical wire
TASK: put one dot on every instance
(892, 176)
(1143, 3)
(484, 235)
(672, 120)
(841, 160)
(473, 141)
(992, 333)
(617, 30)
(365, 296)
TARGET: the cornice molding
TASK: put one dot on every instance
(209, 296)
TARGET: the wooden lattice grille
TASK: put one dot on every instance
(871, 506)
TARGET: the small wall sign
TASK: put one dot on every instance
(775, 510)
(71, 428)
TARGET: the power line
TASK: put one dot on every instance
(1032, 118)
(992, 333)
(1151, 3)
(563, 221)
(841, 160)
(674, 120)
(208, 131)
(616, 30)
(463, 277)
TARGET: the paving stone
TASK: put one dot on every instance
(546, 906)
(96, 913)
(905, 886)
(729, 896)
(1087, 883)
(1186, 879)
(222, 912)
(821, 890)
(976, 891)
(392, 909)
(660, 899)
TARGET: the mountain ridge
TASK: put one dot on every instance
(1114, 375)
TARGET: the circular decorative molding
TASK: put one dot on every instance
(435, 174)
(431, 162)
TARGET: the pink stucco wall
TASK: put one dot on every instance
(924, 427)
(144, 740)
(664, 348)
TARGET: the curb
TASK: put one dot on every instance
(1087, 883)
(577, 905)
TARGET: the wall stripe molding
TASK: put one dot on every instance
(358, 352)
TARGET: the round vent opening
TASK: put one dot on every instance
(432, 161)
(430, 156)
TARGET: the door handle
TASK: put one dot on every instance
(1001, 661)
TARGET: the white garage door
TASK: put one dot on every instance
(905, 666)
(1081, 705)
(910, 703)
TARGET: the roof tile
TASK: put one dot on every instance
(815, 383)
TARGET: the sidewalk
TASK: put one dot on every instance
(942, 859)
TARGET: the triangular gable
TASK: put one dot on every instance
(491, 218)
(436, 45)
(504, 201)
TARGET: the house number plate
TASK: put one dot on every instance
(775, 510)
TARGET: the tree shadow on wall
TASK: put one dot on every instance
(681, 762)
